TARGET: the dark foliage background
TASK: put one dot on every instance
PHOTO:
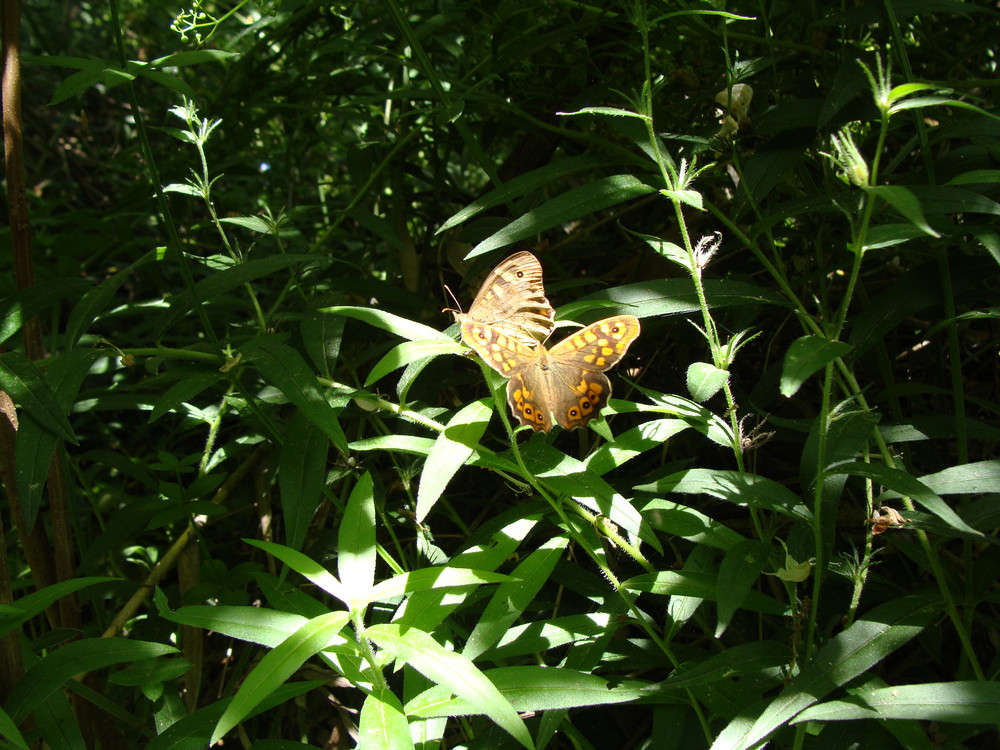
(239, 211)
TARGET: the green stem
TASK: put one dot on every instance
(174, 244)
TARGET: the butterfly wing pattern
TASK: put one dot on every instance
(564, 385)
(512, 301)
(567, 383)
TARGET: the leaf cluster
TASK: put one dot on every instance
(258, 492)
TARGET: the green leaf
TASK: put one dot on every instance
(745, 660)
(52, 671)
(426, 609)
(648, 436)
(587, 199)
(167, 80)
(528, 183)
(79, 82)
(739, 569)
(307, 567)
(690, 198)
(25, 304)
(764, 170)
(569, 477)
(889, 235)
(704, 380)
(535, 688)
(29, 391)
(183, 189)
(608, 111)
(411, 351)
(410, 444)
(511, 599)
(709, 424)
(806, 356)
(69, 61)
(672, 518)
(184, 391)
(193, 57)
(905, 89)
(734, 487)
(931, 101)
(383, 724)
(58, 724)
(301, 476)
(30, 605)
(287, 371)
(192, 731)
(224, 281)
(669, 250)
(35, 445)
(429, 579)
(965, 479)
(278, 665)
(699, 585)
(913, 292)
(9, 730)
(321, 339)
(905, 484)
(97, 300)
(906, 203)
(967, 702)
(356, 541)
(265, 627)
(850, 653)
(452, 450)
(544, 635)
(253, 223)
(976, 177)
(456, 673)
(389, 322)
(666, 297)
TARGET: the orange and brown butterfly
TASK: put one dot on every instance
(566, 384)
(512, 302)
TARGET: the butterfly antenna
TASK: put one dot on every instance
(458, 306)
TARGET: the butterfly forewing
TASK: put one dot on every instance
(599, 346)
(503, 353)
(512, 300)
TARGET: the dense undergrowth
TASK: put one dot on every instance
(259, 490)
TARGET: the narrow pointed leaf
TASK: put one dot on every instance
(844, 657)
(356, 540)
(277, 666)
(454, 671)
(452, 449)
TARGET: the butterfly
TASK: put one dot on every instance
(512, 302)
(566, 384)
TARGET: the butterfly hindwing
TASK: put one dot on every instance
(567, 383)
(524, 395)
